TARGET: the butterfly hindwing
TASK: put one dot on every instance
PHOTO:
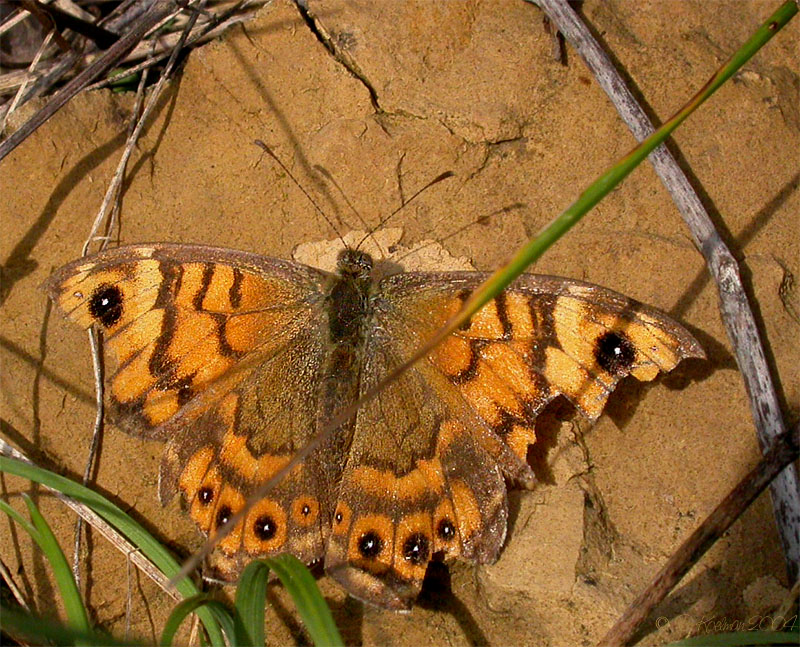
(429, 453)
(417, 482)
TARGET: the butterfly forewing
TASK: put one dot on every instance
(179, 317)
(205, 340)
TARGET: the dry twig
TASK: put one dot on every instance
(103, 63)
(783, 452)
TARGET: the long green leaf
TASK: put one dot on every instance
(41, 533)
(16, 516)
(143, 540)
(73, 604)
(40, 630)
(194, 605)
(251, 601)
(312, 607)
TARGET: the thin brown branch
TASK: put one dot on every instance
(783, 452)
(102, 64)
(736, 311)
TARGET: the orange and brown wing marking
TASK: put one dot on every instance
(417, 481)
(543, 337)
(216, 470)
(387, 526)
(178, 318)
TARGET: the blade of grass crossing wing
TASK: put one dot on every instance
(18, 624)
(195, 605)
(503, 277)
(143, 540)
(251, 601)
(611, 178)
(311, 605)
(41, 533)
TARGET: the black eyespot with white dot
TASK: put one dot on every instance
(370, 544)
(205, 495)
(223, 515)
(105, 304)
(446, 530)
(615, 353)
(416, 549)
(265, 527)
(185, 394)
(305, 510)
(338, 517)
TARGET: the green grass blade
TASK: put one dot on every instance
(41, 533)
(41, 630)
(195, 605)
(73, 604)
(311, 605)
(251, 600)
(503, 277)
(143, 540)
(611, 178)
(16, 516)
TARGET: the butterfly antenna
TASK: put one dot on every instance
(331, 179)
(383, 221)
(481, 220)
(267, 149)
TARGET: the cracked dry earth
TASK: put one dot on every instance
(384, 97)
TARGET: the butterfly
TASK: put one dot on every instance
(237, 360)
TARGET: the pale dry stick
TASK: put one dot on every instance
(94, 342)
(50, 73)
(54, 71)
(12, 80)
(113, 190)
(113, 193)
(128, 596)
(12, 586)
(125, 13)
(104, 528)
(789, 602)
(785, 449)
(162, 9)
(97, 432)
(199, 36)
(13, 20)
(28, 77)
(737, 314)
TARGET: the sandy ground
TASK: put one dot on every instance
(472, 88)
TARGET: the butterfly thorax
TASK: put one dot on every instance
(349, 298)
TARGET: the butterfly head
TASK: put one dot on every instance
(354, 263)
